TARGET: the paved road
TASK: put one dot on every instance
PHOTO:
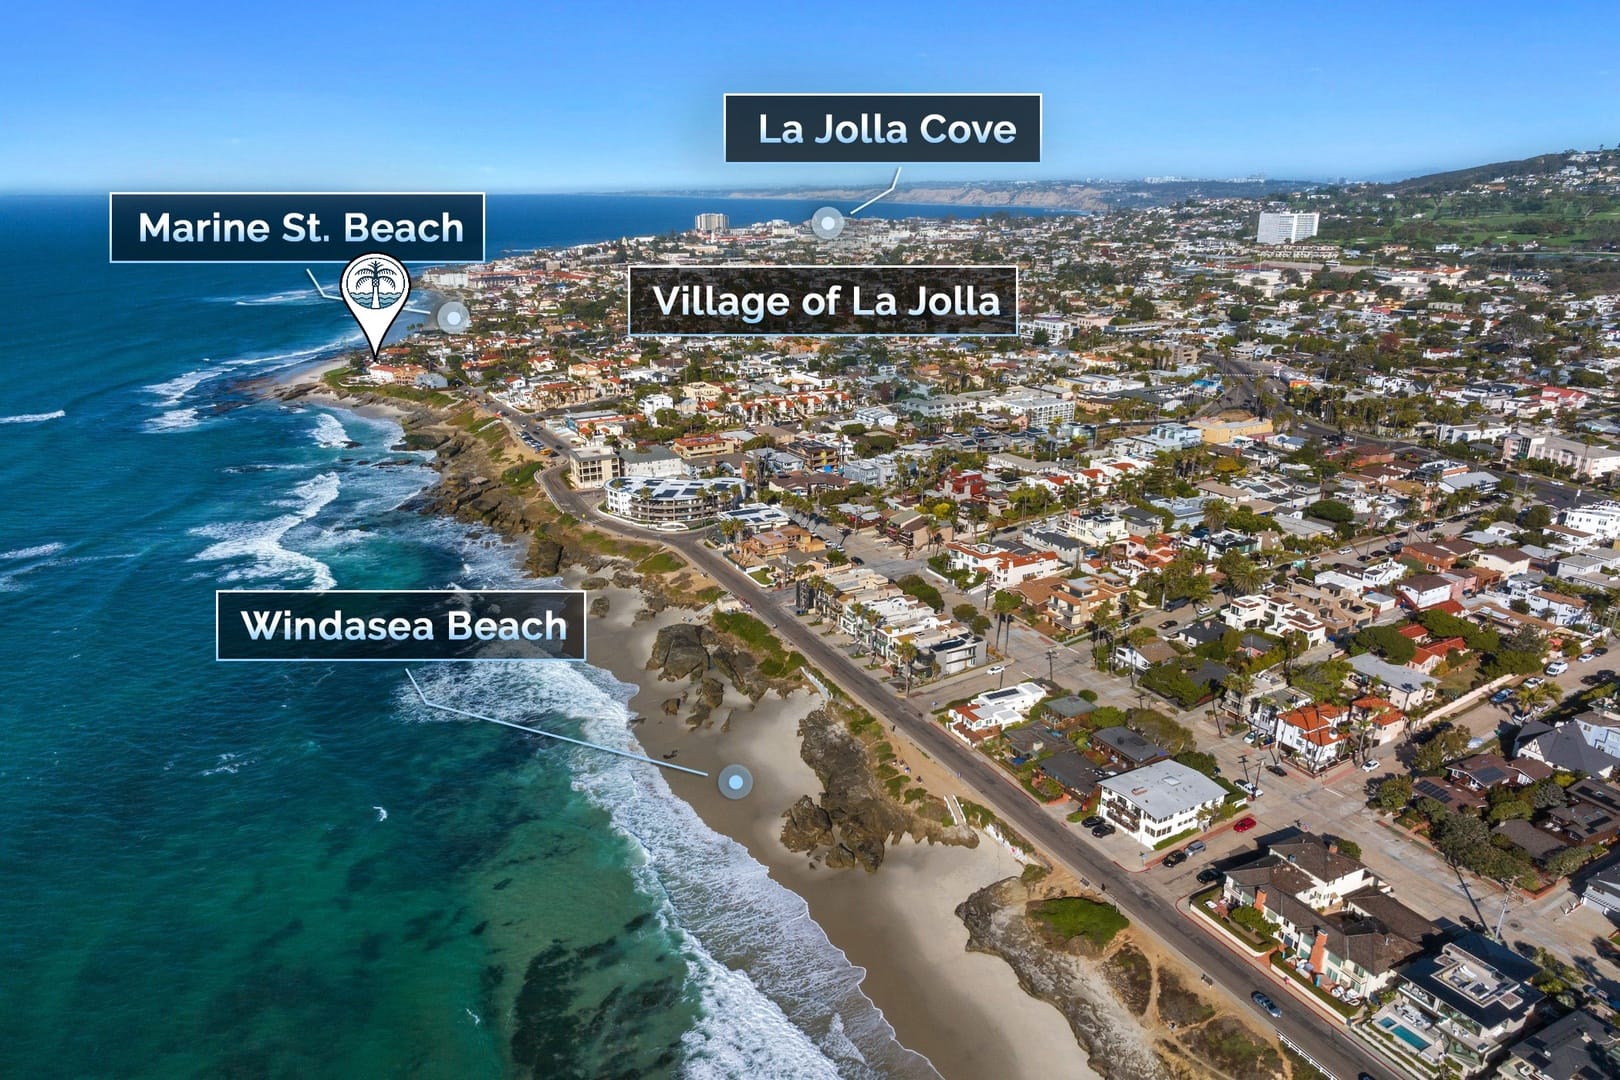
(1323, 1041)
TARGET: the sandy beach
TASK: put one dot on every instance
(964, 1011)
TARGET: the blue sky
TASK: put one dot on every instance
(548, 96)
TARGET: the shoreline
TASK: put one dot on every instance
(947, 995)
(994, 1027)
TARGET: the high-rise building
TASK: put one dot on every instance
(712, 223)
(1286, 227)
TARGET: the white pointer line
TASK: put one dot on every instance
(549, 734)
(892, 185)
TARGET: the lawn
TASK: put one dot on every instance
(662, 562)
(1074, 916)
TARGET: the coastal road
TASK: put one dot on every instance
(1323, 1040)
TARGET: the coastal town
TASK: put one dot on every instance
(1266, 581)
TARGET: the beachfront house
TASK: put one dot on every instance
(1159, 801)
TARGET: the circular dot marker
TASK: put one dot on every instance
(827, 223)
(451, 317)
(736, 782)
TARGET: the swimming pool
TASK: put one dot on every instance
(1405, 1034)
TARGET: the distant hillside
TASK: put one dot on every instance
(1034, 194)
(1540, 165)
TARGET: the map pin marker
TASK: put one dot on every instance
(375, 288)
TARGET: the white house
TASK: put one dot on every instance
(999, 708)
(1159, 801)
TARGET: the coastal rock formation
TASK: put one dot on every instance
(808, 826)
(860, 815)
(1135, 1016)
(1117, 1046)
(680, 651)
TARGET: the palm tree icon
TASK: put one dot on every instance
(372, 276)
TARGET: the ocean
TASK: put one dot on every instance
(297, 870)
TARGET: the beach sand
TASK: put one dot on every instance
(964, 1011)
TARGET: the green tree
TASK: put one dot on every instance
(1394, 793)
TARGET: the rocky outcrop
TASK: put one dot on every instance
(860, 815)
(1115, 1043)
(808, 826)
(681, 651)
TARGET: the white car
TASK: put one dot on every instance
(1251, 790)
(1369, 765)
(997, 670)
(1557, 667)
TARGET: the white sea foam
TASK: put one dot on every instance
(38, 551)
(329, 431)
(259, 542)
(778, 998)
(287, 296)
(173, 391)
(33, 418)
(173, 420)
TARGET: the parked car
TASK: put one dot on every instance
(1265, 1003)
(1092, 822)
(1601, 650)
(1244, 825)
(1557, 667)
(1585, 657)
(1175, 858)
(1105, 829)
(1249, 788)
(1370, 765)
(1203, 609)
(996, 670)
(1195, 847)
(1500, 696)
(1276, 770)
(1208, 876)
(1534, 681)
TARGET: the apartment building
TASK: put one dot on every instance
(1587, 460)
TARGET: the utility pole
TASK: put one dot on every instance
(1051, 665)
(1243, 763)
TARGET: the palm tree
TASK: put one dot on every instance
(372, 275)
(1531, 697)
(905, 653)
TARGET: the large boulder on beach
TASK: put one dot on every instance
(742, 670)
(680, 651)
(807, 826)
(711, 691)
(545, 557)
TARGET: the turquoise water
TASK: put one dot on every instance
(1405, 1034)
(296, 870)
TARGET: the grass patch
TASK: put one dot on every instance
(1227, 1044)
(1300, 1069)
(1075, 916)
(522, 475)
(661, 562)
(1179, 1004)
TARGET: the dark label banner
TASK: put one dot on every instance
(894, 129)
(415, 625)
(828, 301)
(293, 226)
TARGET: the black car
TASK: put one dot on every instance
(1092, 822)
(1105, 829)
(1208, 876)
(1175, 858)
(1276, 770)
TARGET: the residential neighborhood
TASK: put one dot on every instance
(1282, 574)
